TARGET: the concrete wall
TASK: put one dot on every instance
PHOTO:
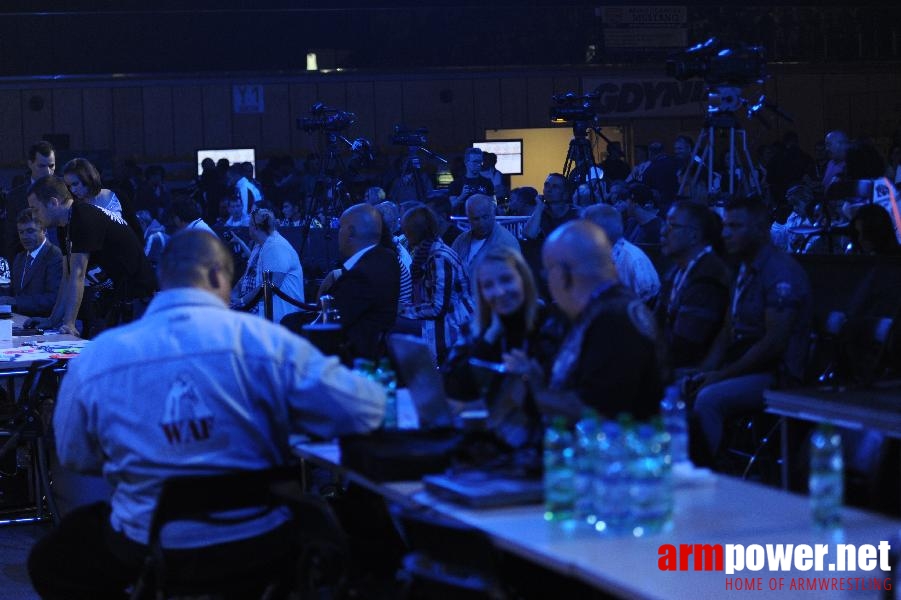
(166, 120)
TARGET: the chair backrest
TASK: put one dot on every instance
(205, 497)
(200, 497)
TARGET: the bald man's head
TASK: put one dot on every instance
(197, 259)
(481, 211)
(360, 226)
(577, 259)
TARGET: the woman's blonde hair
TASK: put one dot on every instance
(513, 259)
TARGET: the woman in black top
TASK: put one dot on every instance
(508, 316)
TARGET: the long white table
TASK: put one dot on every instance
(709, 510)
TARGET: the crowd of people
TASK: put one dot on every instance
(599, 300)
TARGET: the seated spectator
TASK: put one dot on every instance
(440, 204)
(615, 165)
(236, 215)
(489, 171)
(36, 271)
(366, 287)
(412, 184)
(635, 269)
(387, 240)
(508, 316)
(695, 295)
(552, 209)
(611, 357)
(440, 286)
(374, 195)
(484, 232)
(291, 214)
(797, 234)
(391, 220)
(153, 195)
(661, 174)
(872, 232)
(184, 213)
(522, 201)
(765, 337)
(271, 252)
(155, 237)
(224, 393)
(641, 223)
(239, 180)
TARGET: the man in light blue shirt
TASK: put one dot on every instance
(192, 388)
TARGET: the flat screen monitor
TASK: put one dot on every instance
(234, 155)
(509, 154)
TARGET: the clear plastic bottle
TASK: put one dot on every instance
(827, 477)
(675, 418)
(6, 326)
(650, 492)
(611, 485)
(586, 458)
(385, 375)
(559, 473)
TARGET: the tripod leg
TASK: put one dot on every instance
(751, 177)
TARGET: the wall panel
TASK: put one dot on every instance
(128, 122)
(159, 122)
(187, 120)
(13, 147)
(37, 114)
(277, 121)
(97, 112)
(67, 115)
(217, 113)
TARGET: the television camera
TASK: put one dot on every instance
(719, 64)
(324, 118)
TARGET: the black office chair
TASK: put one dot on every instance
(318, 559)
(448, 560)
(27, 423)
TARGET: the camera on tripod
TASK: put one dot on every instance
(409, 137)
(717, 63)
(573, 108)
(324, 118)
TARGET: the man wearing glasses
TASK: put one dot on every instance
(695, 294)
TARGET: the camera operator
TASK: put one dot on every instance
(552, 209)
(471, 183)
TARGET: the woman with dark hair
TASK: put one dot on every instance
(508, 316)
(440, 286)
(83, 180)
(271, 252)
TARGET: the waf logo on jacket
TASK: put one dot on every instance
(186, 418)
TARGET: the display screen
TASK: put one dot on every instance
(509, 154)
(234, 155)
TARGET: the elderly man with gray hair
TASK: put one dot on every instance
(484, 232)
(635, 269)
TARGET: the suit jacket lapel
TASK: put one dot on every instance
(30, 271)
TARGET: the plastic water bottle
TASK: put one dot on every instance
(559, 474)
(675, 419)
(650, 492)
(827, 478)
(385, 375)
(611, 484)
(586, 458)
(6, 326)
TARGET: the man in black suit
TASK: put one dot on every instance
(366, 287)
(36, 271)
(41, 162)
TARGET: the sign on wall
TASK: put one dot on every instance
(247, 99)
(651, 97)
